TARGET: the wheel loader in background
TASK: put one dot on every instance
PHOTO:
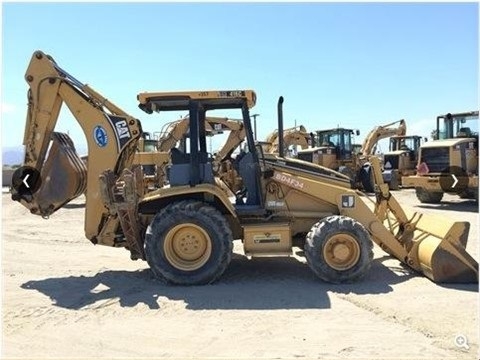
(334, 149)
(185, 230)
(448, 164)
(401, 159)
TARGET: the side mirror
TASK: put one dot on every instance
(357, 132)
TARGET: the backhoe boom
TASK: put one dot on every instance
(111, 136)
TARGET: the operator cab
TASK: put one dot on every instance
(460, 125)
(407, 143)
(339, 140)
(336, 142)
(194, 166)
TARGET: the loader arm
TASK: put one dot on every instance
(111, 135)
(381, 132)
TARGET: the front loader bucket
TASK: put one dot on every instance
(438, 249)
(63, 178)
(447, 260)
(429, 244)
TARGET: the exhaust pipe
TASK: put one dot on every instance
(281, 150)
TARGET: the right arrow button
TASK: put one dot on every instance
(454, 180)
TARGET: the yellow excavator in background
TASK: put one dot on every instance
(295, 136)
(185, 230)
(382, 132)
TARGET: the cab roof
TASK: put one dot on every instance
(180, 100)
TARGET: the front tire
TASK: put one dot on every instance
(188, 243)
(428, 197)
(338, 249)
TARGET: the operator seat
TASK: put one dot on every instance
(177, 156)
(250, 173)
(464, 132)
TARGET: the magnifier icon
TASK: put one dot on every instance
(461, 342)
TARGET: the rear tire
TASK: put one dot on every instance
(188, 243)
(428, 197)
(338, 249)
(469, 194)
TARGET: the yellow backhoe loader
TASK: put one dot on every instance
(448, 164)
(185, 231)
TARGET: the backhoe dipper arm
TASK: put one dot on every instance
(381, 132)
(176, 130)
(171, 133)
(111, 135)
(234, 139)
(297, 135)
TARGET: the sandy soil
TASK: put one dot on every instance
(65, 298)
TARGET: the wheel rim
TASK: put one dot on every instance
(341, 252)
(187, 247)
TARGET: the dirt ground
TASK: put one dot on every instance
(64, 297)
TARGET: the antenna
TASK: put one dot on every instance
(255, 126)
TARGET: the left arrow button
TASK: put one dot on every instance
(26, 180)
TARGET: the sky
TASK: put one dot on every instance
(354, 65)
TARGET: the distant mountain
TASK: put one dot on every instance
(12, 155)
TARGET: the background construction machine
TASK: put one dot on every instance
(334, 148)
(448, 164)
(401, 159)
(293, 138)
(185, 230)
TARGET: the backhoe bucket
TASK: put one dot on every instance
(63, 176)
(440, 252)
